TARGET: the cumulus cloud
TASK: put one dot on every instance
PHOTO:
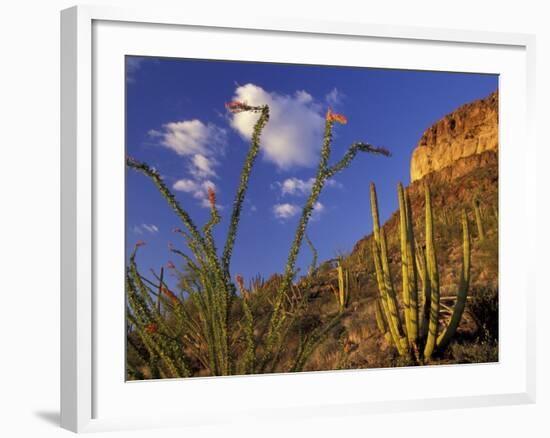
(143, 228)
(191, 137)
(285, 211)
(334, 97)
(201, 145)
(298, 187)
(203, 166)
(197, 189)
(294, 132)
(185, 185)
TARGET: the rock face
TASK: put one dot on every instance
(470, 130)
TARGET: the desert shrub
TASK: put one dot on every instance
(478, 352)
(326, 266)
(483, 307)
(489, 254)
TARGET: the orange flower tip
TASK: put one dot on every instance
(169, 294)
(234, 104)
(176, 230)
(335, 117)
(211, 196)
(151, 328)
(140, 243)
(237, 106)
(240, 282)
(170, 265)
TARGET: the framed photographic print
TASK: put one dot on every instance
(291, 218)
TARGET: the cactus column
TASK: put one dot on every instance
(433, 277)
(421, 328)
(383, 275)
(408, 268)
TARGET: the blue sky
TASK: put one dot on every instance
(176, 122)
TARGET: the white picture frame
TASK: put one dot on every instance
(87, 401)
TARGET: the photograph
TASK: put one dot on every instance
(285, 218)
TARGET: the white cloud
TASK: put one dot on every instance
(185, 185)
(296, 186)
(191, 137)
(202, 166)
(303, 96)
(335, 97)
(294, 133)
(285, 211)
(201, 145)
(199, 190)
(149, 228)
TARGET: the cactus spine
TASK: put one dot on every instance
(421, 312)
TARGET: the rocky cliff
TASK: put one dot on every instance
(457, 158)
(458, 139)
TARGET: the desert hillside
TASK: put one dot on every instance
(332, 313)
(457, 158)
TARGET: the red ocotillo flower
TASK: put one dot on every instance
(236, 106)
(140, 243)
(240, 281)
(176, 230)
(335, 117)
(211, 197)
(170, 265)
(151, 328)
(169, 294)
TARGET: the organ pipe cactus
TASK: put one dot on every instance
(479, 221)
(342, 294)
(420, 336)
(384, 279)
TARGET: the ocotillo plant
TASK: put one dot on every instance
(314, 255)
(420, 336)
(325, 171)
(210, 323)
